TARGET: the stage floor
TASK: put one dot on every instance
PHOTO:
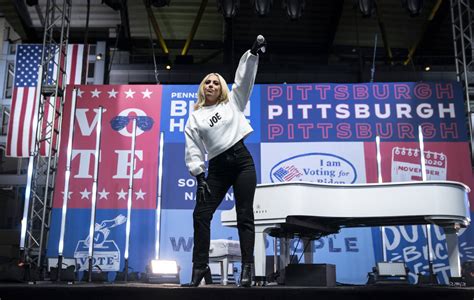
(136, 291)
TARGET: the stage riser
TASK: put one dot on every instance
(174, 292)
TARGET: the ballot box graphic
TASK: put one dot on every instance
(106, 252)
(406, 165)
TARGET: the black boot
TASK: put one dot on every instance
(246, 275)
(199, 272)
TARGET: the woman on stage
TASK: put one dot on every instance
(218, 127)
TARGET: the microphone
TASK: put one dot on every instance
(261, 43)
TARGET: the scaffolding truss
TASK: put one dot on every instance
(43, 160)
(461, 18)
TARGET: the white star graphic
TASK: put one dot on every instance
(95, 93)
(146, 94)
(103, 194)
(140, 194)
(129, 93)
(85, 194)
(113, 93)
(68, 194)
(121, 195)
(79, 93)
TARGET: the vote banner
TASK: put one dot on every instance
(109, 238)
(121, 105)
(360, 112)
(322, 133)
(178, 103)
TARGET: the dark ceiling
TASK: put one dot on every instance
(329, 34)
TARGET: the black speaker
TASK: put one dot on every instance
(96, 276)
(12, 272)
(310, 275)
(67, 274)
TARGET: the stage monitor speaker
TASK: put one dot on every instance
(68, 269)
(310, 275)
(11, 271)
(53, 262)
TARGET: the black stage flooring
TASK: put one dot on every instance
(136, 291)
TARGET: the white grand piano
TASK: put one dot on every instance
(296, 208)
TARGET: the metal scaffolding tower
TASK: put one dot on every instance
(461, 18)
(43, 159)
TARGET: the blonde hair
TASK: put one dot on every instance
(223, 97)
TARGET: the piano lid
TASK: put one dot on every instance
(368, 185)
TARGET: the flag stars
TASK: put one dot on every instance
(121, 194)
(103, 194)
(140, 194)
(146, 94)
(85, 194)
(113, 93)
(129, 93)
(95, 93)
(68, 194)
(79, 93)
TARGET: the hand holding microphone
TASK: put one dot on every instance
(259, 46)
(203, 192)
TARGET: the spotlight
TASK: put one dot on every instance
(160, 3)
(294, 8)
(115, 4)
(366, 7)
(164, 60)
(427, 68)
(163, 271)
(262, 7)
(414, 7)
(228, 8)
(98, 56)
(32, 2)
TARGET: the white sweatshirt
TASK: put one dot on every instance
(218, 127)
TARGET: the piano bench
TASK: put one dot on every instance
(224, 252)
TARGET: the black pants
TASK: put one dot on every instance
(234, 167)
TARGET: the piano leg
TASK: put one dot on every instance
(308, 246)
(260, 254)
(284, 253)
(453, 251)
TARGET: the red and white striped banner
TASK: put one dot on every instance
(24, 108)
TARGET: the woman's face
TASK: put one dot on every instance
(212, 89)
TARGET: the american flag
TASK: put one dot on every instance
(24, 108)
(287, 173)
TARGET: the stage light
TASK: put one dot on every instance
(164, 271)
(294, 8)
(160, 3)
(427, 68)
(168, 67)
(366, 7)
(262, 7)
(389, 272)
(98, 56)
(115, 4)
(228, 8)
(32, 2)
(414, 7)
